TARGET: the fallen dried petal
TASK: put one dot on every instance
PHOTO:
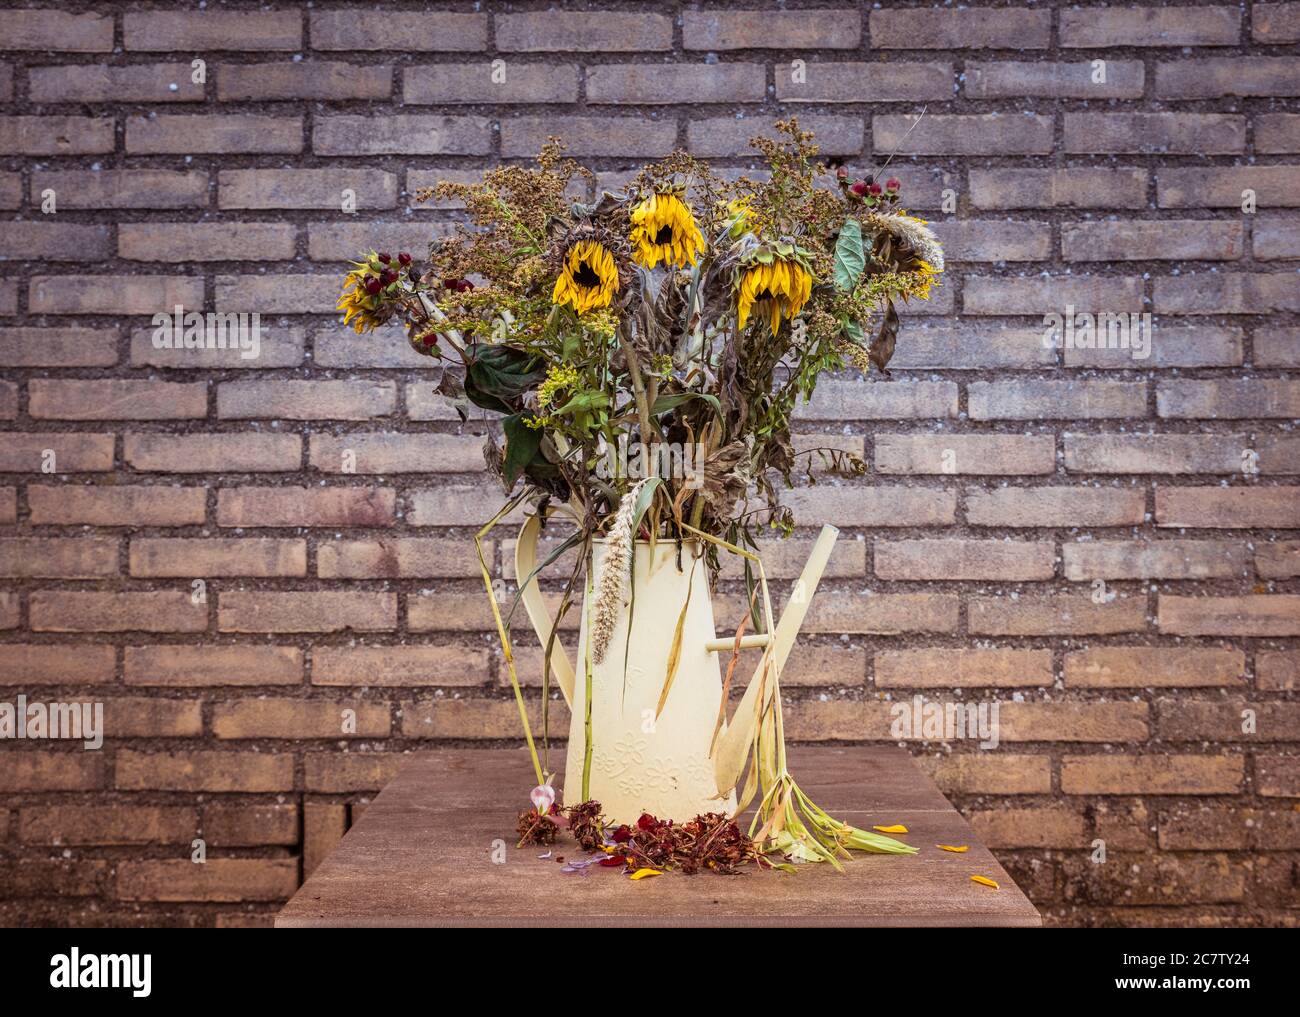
(959, 849)
(984, 881)
(645, 873)
(896, 828)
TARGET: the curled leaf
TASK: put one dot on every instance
(959, 849)
(985, 881)
(896, 828)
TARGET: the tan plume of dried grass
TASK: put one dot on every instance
(614, 573)
(916, 233)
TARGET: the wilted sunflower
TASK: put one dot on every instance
(362, 299)
(588, 277)
(773, 287)
(663, 229)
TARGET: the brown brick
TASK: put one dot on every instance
(402, 134)
(1071, 187)
(123, 188)
(1228, 398)
(1055, 615)
(966, 134)
(436, 611)
(1228, 507)
(401, 31)
(388, 452)
(1213, 77)
(400, 558)
(990, 773)
(9, 610)
(1010, 79)
(106, 824)
(185, 242)
(1278, 559)
(11, 186)
(53, 664)
(181, 31)
(825, 81)
(1156, 667)
(1259, 615)
(1275, 22)
(451, 504)
(305, 400)
(543, 31)
(1073, 722)
(881, 614)
(951, 669)
(1223, 720)
(187, 666)
(228, 826)
(113, 399)
(33, 770)
(277, 346)
(1185, 240)
(768, 29)
(58, 347)
(975, 28)
(305, 188)
(872, 400)
(971, 240)
(284, 293)
(443, 84)
(1206, 829)
(976, 346)
(64, 451)
(1223, 187)
(1048, 827)
(102, 83)
(475, 718)
(1151, 775)
(299, 719)
(1278, 776)
(625, 137)
(305, 506)
(244, 772)
(984, 454)
(217, 879)
(208, 557)
(137, 505)
(58, 557)
(338, 347)
(339, 772)
(1163, 559)
(152, 718)
(323, 826)
(1039, 296)
(112, 294)
(949, 559)
(8, 401)
(1156, 453)
(1155, 133)
(1277, 347)
(251, 452)
(92, 611)
(1276, 239)
(1103, 27)
(43, 29)
(307, 611)
(408, 666)
(1056, 400)
(342, 241)
(54, 877)
(1277, 132)
(1056, 506)
(56, 135)
(8, 505)
(49, 241)
(322, 80)
(1226, 293)
(783, 558)
(1158, 879)
(872, 506)
(649, 84)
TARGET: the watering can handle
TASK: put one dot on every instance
(538, 614)
(733, 744)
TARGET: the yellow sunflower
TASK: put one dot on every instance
(588, 278)
(663, 229)
(356, 302)
(773, 291)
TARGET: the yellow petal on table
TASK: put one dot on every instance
(896, 828)
(984, 881)
(645, 874)
(959, 849)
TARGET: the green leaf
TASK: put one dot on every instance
(522, 443)
(643, 500)
(670, 402)
(497, 376)
(850, 259)
(584, 401)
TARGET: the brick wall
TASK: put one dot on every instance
(1104, 545)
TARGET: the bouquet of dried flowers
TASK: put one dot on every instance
(685, 311)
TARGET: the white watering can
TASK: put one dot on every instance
(644, 759)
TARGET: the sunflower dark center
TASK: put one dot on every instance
(764, 295)
(586, 276)
(665, 235)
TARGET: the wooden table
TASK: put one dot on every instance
(422, 855)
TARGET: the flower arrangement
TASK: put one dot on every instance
(685, 311)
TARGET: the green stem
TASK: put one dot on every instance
(586, 720)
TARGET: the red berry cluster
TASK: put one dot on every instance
(868, 190)
(388, 274)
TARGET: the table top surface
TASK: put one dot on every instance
(422, 854)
